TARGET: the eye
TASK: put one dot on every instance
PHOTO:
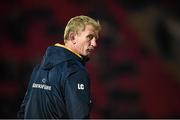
(90, 37)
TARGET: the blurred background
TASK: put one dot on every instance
(135, 70)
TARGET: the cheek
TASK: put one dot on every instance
(86, 45)
(82, 46)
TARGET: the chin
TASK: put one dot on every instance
(88, 55)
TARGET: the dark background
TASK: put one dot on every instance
(135, 71)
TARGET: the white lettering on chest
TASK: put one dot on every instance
(80, 86)
(41, 86)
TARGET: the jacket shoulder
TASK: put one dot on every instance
(71, 66)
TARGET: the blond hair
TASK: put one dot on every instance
(79, 23)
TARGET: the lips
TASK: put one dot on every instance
(89, 50)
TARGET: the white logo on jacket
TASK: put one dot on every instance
(42, 86)
(80, 86)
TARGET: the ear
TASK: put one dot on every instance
(72, 36)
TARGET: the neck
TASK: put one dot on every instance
(69, 46)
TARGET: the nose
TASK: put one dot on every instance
(93, 42)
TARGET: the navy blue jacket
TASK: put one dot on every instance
(59, 87)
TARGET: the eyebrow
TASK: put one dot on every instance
(95, 35)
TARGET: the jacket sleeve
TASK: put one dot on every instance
(77, 94)
(21, 112)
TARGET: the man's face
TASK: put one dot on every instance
(86, 41)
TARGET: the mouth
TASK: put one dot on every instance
(90, 50)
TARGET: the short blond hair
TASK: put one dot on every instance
(79, 23)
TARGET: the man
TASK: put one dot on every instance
(60, 86)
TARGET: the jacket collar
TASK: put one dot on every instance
(60, 45)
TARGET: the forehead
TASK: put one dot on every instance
(90, 29)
